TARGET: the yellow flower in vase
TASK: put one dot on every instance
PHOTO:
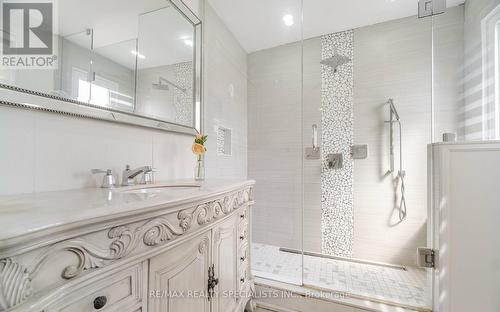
(199, 149)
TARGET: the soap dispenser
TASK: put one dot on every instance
(108, 181)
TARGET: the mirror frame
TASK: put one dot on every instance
(34, 100)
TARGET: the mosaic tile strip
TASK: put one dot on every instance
(337, 218)
(183, 100)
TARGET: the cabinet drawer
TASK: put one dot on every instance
(243, 265)
(243, 255)
(243, 215)
(242, 234)
(244, 275)
(120, 291)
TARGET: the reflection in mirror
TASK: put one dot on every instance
(37, 79)
(165, 66)
(75, 66)
(137, 57)
(113, 75)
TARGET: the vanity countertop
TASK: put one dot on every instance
(49, 212)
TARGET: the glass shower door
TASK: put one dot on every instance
(275, 149)
(368, 92)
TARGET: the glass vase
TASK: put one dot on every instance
(199, 170)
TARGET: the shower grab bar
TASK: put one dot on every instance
(315, 137)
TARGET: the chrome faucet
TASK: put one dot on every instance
(129, 175)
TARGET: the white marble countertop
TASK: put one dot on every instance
(28, 214)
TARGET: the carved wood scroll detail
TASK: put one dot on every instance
(15, 284)
(15, 279)
(208, 212)
(203, 246)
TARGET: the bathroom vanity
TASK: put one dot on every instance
(165, 247)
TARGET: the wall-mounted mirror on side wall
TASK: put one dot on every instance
(139, 64)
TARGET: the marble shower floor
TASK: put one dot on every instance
(404, 287)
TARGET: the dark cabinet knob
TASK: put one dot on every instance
(242, 237)
(242, 280)
(100, 302)
(242, 216)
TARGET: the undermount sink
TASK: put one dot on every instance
(151, 189)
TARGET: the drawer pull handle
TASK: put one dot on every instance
(100, 302)
(242, 237)
(242, 259)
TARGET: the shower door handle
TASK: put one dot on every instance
(315, 137)
(313, 153)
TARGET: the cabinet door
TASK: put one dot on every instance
(178, 277)
(224, 256)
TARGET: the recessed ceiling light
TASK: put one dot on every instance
(139, 55)
(288, 20)
(188, 42)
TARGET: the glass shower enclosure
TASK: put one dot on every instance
(339, 124)
(275, 155)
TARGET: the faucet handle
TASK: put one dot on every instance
(148, 177)
(106, 171)
(108, 181)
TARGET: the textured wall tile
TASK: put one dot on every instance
(337, 220)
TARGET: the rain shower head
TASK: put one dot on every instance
(165, 84)
(335, 61)
(160, 86)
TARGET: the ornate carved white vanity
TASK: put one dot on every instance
(182, 249)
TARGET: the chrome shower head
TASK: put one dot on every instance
(335, 61)
(165, 84)
(160, 86)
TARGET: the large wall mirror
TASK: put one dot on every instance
(121, 60)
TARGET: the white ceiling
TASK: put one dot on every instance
(258, 24)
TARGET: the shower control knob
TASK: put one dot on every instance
(335, 161)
